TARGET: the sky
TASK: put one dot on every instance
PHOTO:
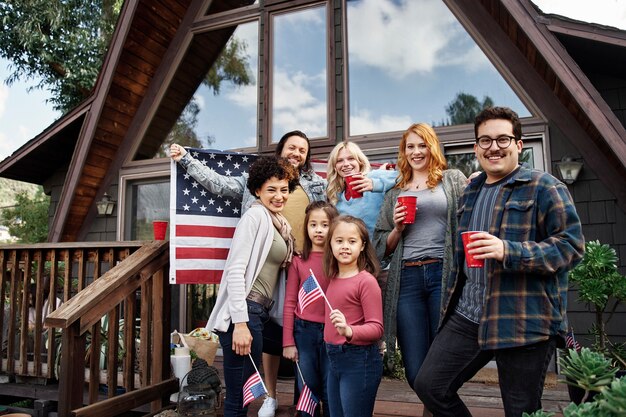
(24, 112)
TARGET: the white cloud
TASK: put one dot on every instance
(605, 12)
(244, 96)
(408, 37)
(363, 121)
(295, 105)
(4, 96)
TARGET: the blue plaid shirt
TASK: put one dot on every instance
(526, 294)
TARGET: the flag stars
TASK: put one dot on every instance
(235, 210)
(211, 202)
(203, 193)
(220, 164)
(219, 209)
(194, 184)
(194, 200)
(212, 155)
(227, 202)
(229, 157)
(244, 159)
(203, 208)
(186, 207)
(236, 165)
(204, 162)
(186, 176)
(195, 154)
(228, 172)
(186, 191)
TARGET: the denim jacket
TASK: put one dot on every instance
(313, 185)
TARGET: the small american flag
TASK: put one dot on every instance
(571, 342)
(309, 292)
(307, 401)
(203, 223)
(253, 388)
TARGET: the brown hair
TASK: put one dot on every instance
(331, 213)
(504, 113)
(367, 258)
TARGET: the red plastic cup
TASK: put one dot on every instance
(390, 167)
(351, 192)
(469, 258)
(159, 229)
(410, 202)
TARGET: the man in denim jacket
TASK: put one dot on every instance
(512, 309)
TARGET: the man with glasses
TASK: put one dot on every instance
(512, 309)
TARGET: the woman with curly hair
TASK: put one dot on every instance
(262, 247)
(421, 253)
(348, 160)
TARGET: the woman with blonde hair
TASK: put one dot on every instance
(420, 253)
(348, 160)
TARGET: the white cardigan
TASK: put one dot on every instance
(249, 249)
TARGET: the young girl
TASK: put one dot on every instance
(355, 324)
(303, 329)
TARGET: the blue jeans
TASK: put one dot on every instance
(238, 368)
(313, 359)
(418, 314)
(353, 377)
(455, 357)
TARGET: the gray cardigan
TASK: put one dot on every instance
(454, 183)
(248, 251)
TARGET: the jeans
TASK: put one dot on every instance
(455, 357)
(353, 378)
(313, 360)
(238, 368)
(418, 314)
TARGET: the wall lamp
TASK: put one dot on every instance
(569, 169)
(105, 206)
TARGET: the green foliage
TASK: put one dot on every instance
(28, 219)
(613, 399)
(232, 65)
(465, 107)
(583, 410)
(598, 281)
(60, 42)
(587, 369)
(392, 365)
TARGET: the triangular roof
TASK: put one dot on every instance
(154, 45)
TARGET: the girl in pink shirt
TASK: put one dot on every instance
(303, 326)
(355, 323)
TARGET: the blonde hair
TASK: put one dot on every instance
(437, 163)
(336, 183)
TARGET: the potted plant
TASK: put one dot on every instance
(602, 288)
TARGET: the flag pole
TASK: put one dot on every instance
(300, 372)
(257, 371)
(322, 291)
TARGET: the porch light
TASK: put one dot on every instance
(569, 169)
(105, 206)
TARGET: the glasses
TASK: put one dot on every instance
(503, 141)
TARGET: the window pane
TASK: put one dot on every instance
(146, 202)
(299, 72)
(409, 60)
(226, 117)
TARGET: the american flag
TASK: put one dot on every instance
(203, 223)
(571, 342)
(309, 292)
(253, 388)
(307, 401)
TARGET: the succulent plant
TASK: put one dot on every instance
(587, 369)
(539, 413)
(614, 398)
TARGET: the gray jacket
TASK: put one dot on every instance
(454, 183)
(313, 185)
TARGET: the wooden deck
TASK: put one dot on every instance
(396, 399)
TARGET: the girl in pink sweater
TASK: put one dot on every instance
(355, 323)
(303, 326)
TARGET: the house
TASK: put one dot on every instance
(336, 69)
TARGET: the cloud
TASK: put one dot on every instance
(363, 121)
(295, 105)
(4, 96)
(418, 37)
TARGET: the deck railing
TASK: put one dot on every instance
(113, 315)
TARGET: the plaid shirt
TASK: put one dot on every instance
(526, 294)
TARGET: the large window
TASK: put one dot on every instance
(299, 72)
(146, 201)
(223, 112)
(412, 61)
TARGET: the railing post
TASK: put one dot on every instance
(72, 375)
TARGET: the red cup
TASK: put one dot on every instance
(390, 167)
(410, 202)
(350, 192)
(159, 227)
(469, 258)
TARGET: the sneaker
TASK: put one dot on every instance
(269, 407)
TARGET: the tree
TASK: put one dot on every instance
(59, 42)
(28, 219)
(465, 107)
